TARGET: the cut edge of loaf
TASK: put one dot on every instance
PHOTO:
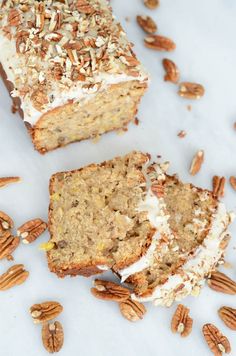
(97, 265)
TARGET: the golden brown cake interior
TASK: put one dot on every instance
(93, 216)
(109, 110)
(190, 213)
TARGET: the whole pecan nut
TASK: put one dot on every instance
(172, 71)
(190, 90)
(181, 321)
(147, 24)
(107, 290)
(217, 342)
(222, 283)
(8, 244)
(45, 311)
(6, 223)
(132, 310)
(228, 315)
(53, 336)
(31, 230)
(14, 276)
(159, 43)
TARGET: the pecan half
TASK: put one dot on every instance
(191, 90)
(181, 321)
(217, 342)
(107, 290)
(151, 4)
(232, 181)
(8, 244)
(132, 310)
(172, 71)
(228, 315)
(147, 24)
(6, 223)
(53, 336)
(197, 162)
(31, 230)
(218, 184)
(222, 283)
(157, 189)
(14, 276)
(159, 43)
(45, 311)
(8, 180)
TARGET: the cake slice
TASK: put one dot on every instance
(195, 240)
(70, 69)
(94, 221)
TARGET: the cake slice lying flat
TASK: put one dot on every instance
(93, 217)
(70, 69)
(194, 242)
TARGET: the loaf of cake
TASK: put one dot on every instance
(161, 236)
(69, 68)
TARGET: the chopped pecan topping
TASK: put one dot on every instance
(31, 230)
(147, 24)
(159, 43)
(14, 276)
(218, 184)
(45, 311)
(39, 99)
(217, 342)
(197, 162)
(107, 290)
(132, 310)
(182, 134)
(14, 18)
(181, 321)
(222, 283)
(228, 315)
(172, 71)
(53, 336)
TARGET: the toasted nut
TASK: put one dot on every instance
(228, 315)
(182, 134)
(197, 162)
(218, 184)
(147, 24)
(8, 244)
(14, 276)
(45, 311)
(47, 246)
(159, 43)
(232, 181)
(31, 230)
(107, 290)
(53, 336)
(224, 243)
(191, 90)
(14, 18)
(222, 283)
(181, 321)
(6, 223)
(217, 342)
(157, 189)
(152, 4)
(84, 7)
(8, 180)
(172, 71)
(132, 310)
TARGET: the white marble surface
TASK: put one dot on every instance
(204, 32)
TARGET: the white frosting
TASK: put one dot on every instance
(13, 63)
(194, 270)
